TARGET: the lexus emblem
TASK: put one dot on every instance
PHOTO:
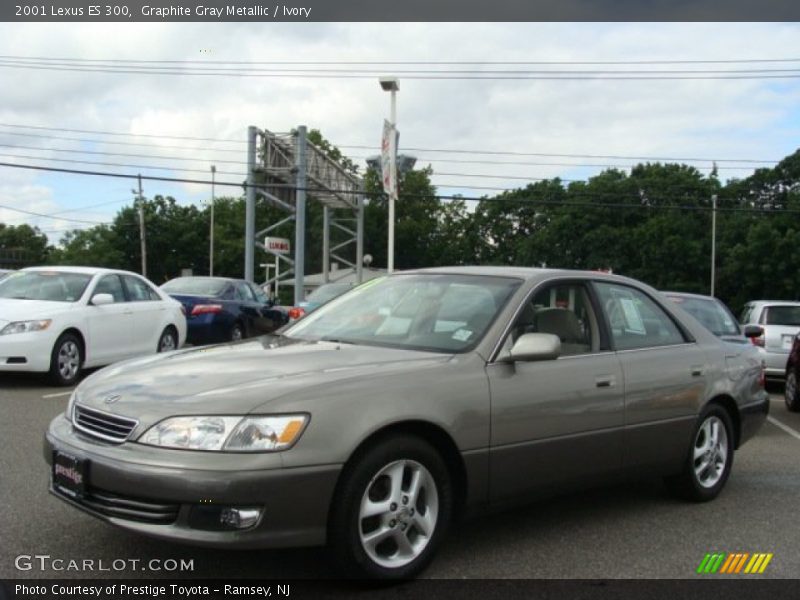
(111, 398)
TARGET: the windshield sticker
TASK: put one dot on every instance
(462, 335)
(633, 320)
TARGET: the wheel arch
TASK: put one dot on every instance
(81, 339)
(729, 404)
(431, 433)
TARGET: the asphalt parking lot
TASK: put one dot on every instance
(629, 531)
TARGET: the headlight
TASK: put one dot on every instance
(25, 326)
(234, 434)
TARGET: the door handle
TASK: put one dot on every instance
(697, 370)
(605, 381)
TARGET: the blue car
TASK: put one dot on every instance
(219, 309)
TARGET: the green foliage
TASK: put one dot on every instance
(22, 245)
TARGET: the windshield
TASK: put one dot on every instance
(442, 313)
(195, 286)
(783, 315)
(712, 314)
(327, 292)
(54, 286)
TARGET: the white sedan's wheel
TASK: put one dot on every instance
(66, 360)
(168, 341)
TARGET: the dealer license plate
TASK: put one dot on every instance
(70, 474)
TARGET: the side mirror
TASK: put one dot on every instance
(102, 299)
(753, 331)
(534, 346)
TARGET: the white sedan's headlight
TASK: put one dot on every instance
(233, 434)
(25, 326)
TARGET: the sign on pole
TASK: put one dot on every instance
(389, 155)
(277, 245)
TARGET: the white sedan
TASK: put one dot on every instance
(60, 320)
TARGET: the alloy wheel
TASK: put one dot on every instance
(69, 360)
(710, 451)
(398, 513)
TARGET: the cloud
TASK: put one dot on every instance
(704, 118)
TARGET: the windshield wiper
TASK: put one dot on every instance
(335, 340)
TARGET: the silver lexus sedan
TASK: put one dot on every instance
(408, 402)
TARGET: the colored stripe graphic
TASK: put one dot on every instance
(734, 562)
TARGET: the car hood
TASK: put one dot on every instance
(12, 309)
(235, 378)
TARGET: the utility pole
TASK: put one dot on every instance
(713, 239)
(142, 234)
(211, 234)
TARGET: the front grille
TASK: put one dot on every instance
(103, 425)
(125, 507)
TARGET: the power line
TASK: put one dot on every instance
(129, 155)
(376, 149)
(483, 76)
(112, 142)
(119, 133)
(410, 62)
(641, 205)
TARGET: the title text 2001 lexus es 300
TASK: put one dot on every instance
(403, 404)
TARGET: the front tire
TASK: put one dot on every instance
(710, 457)
(790, 392)
(392, 509)
(66, 360)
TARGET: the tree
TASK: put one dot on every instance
(22, 245)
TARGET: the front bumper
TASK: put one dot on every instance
(185, 484)
(34, 348)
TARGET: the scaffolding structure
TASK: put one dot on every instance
(287, 170)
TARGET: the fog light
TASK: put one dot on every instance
(239, 518)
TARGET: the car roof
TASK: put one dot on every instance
(206, 277)
(691, 295)
(772, 302)
(82, 270)
(528, 273)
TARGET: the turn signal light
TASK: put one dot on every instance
(758, 341)
(296, 312)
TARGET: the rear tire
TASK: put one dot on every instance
(66, 360)
(236, 333)
(168, 340)
(391, 511)
(790, 393)
(710, 457)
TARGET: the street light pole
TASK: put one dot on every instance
(211, 235)
(390, 84)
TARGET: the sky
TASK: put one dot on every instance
(709, 119)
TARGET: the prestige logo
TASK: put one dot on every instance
(70, 473)
(734, 563)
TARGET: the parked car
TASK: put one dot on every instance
(790, 391)
(380, 418)
(220, 309)
(323, 294)
(64, 319)
(781, 323)
(716, 317)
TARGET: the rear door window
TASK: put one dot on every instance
(783, 315)
(635, 319)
